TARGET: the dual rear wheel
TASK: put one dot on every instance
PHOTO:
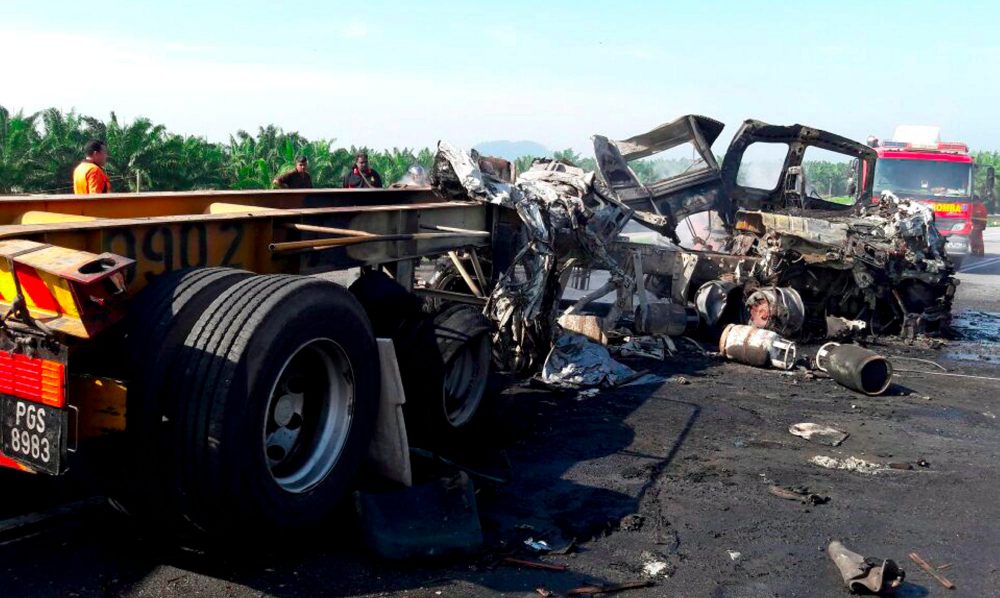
(253, 408)
(253, 398)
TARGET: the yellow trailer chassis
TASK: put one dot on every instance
(71, 269)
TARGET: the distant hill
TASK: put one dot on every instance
(512, 150)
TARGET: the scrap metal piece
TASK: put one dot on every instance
(849, 464)
(821, 434)
(855, 367)
(586, 325)
(837, 327)
(865, 574)
(564, 219)
(574, 362)
(756, 346)
(798, 493)
(930, 570)
(643, 346)
(610, 589)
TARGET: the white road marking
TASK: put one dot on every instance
(980, 264)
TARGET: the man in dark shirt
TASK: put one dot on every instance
(295, 179)
(361, 176)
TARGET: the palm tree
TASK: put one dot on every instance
(18, 155)
(60, 149)
(138, 154)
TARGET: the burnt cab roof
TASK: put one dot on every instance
(708, 186)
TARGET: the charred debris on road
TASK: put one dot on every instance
(787, 261)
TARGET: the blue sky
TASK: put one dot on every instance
(389, 74)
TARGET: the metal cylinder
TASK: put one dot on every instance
(756, 346)
(777, 308)
(712, 299)
(855, 367)
(671, 319)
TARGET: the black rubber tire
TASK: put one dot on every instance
(159, 320)
(388, 304)
(426, 348)
(230, 362)
(426, 354)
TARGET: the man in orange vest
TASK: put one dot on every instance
(89, 176)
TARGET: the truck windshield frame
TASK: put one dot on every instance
(929, 178)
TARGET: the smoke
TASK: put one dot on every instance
(759, 174)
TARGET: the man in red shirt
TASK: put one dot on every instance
(89, 176)
(362, 176)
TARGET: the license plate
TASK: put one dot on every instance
(33, 434)
(947, 207)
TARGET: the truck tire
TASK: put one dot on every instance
(444, 357)
(445, 362)
(158, 321)
(276, 398)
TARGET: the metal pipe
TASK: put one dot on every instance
(477, 266)
(464, 273)
(590, 297)
(311, 228)
(358, 239)
(450, 296)
(455, 229)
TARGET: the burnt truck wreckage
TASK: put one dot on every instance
(785, 258)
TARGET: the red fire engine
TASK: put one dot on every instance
(917, 165)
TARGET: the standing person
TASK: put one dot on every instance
(295, 179)
(89, 176)
(361, 175)
(980, 216)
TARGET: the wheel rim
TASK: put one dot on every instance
(465, 380)
(309, 413)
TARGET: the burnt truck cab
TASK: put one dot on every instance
(818, 232)
(940, 175)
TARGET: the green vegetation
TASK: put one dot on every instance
(39, 151)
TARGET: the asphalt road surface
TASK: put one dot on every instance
(666, 483)
(979, 274)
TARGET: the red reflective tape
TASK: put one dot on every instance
(33, 379)
(34, 287)
(6, 461)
